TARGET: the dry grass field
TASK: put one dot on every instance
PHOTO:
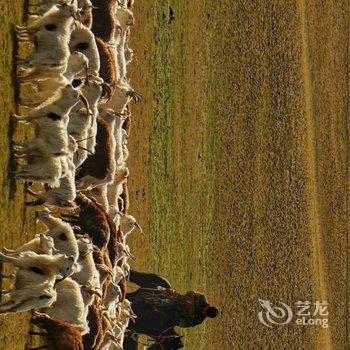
(239, 162)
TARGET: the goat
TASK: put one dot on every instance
(51, 119)
(104, 23)
(115, 189)
(40, 244)
(59, 335)
(108, 69)
(50, 34)
(83, 40)
(98, 169)
(122, 95)
(46, 86)
(94, 319)
(92, 220)
(125, 18)
(88, 274)
(69, 306)
(85, 9)
(61, 196)
(28, 298)
(41, 169)
(61, 232)
(128, 224)
(34, 269)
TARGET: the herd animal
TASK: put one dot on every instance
(72, 276)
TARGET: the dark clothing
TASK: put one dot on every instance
(160, 309)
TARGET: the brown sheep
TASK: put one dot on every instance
(103, 264)
(104, 23)
(91, 220)
(108, 70)
(95, 324)
(99, 164)
(59, 335)
(125, 198)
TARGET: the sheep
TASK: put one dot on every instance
(94, 319)
(61, 196)
(40, 244)
(111, 297)
(116, 237)
(84, 127)
(40, 9)
(128, 224)
(98, 169)
(106, 332)
(88, 274)
(50, 34)
(85, 10)
(100, 195)
(28, 298)
(108, 69)
(103, 265)
(83, 40)
(124, 197)
(53, 20)
(122, 95)
(59, 335)
(104, 23)
(41, 169)
(69, 306)
(51, 119)
(92, 220)
(34, 269)
(61, 232)
(46, 86)
(125, 18)
(115, 189)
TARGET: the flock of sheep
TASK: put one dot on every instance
(74, 274)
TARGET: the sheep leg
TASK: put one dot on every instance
(31, 192)
(7, 258)
(41, 334)
(35, 203)
(5, 304)
(9, 276)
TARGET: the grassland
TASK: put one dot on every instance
(17, 224)
(239, 162)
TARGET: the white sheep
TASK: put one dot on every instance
(46, 86)
(123, 94)
(115, 189)
(125, 18)
(61, 232)
(88, 274)
(112, 297)
(69, 306)
(40, 244)
(41, 169)
(83, 40)
(28, 298)
(128, 224)
(50, 34)
(51, 120)
(35, 269)
(61, 196)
